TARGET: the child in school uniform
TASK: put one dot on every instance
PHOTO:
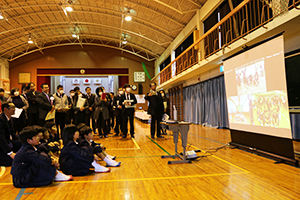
(32, 168)
(75, 159)
(86, 134)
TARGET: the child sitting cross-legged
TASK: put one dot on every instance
(76, 159)
(86, 134)
(32, 168)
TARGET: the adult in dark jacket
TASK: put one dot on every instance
(9, 141)
(80, 112)
(33, 109)
(70, 112)
(21, 103)
(101, 114)
(90, 111)
(155, 109)
(46, 104)
(118, 111)
(128, 102)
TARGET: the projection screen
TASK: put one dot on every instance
(256, 91)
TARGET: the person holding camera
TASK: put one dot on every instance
(155, 109)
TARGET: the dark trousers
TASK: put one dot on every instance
(33, 119)
(70, 116)
(118, 126)
(88, 120)
(156, 118)
(111, 120)
(79, 117)
(42, 122)
(129, 112)
(60, 120)
(6, 160)
(102, 125)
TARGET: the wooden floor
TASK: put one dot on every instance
(224, 174)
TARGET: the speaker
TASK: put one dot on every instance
(140, 88)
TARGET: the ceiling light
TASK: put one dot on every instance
(1, 16)
(128, 18)
(124, 42)
(69, 8)
(30, 41)
(74, 35)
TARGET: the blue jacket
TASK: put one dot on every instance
(75, 160)
(30, 168)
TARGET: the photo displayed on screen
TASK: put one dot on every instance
(256, 90)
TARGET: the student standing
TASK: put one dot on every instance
(80, 111)
(155, 109)
(128, 101)
(118, 111)
(90, 111)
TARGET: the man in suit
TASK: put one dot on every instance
(90, 112)
(127, 102)
(70, 113)
(46, 104)
(111, 111)
(118, 111)
(9, 141)
(33, 109)
(155, 109)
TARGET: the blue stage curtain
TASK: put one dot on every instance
(205, 103)
(295, 126)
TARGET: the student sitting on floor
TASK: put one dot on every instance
(32, 168)
(86, 134)
(74, 159)
(53, 136)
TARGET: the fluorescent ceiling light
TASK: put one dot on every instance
(69, 8)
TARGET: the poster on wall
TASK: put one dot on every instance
(97, 81)
(5, 84)
(76, 81)
(87, 81)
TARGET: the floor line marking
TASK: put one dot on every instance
(21, 193)
(2, 171)
(137, 146)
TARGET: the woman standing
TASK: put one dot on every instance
(21, 103)
(101, 114)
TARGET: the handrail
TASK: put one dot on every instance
(243, 27)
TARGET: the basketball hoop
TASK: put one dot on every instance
(279, 7)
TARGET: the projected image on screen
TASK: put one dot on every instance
(251, 78)
(256, 92)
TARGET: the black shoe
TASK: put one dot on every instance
(160, 136)
(152, 137)
(124, 136)
(100, 136)
(132, 136)
(106, 136)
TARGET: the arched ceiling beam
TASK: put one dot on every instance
(83, 23)
(159, 30)
(95, 7)
(90, 37)
(92, 44)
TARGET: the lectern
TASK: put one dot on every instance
(182, 128)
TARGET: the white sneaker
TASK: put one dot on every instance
(59, 177)
(101, 169)
(111, 163)
(111, 157)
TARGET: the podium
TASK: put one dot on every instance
(182, 128)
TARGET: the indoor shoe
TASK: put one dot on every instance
(100, 136)
(111, 157)
(111, 163)
(160, 136)
(106, 136)
(60, 177)
(101, 169)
